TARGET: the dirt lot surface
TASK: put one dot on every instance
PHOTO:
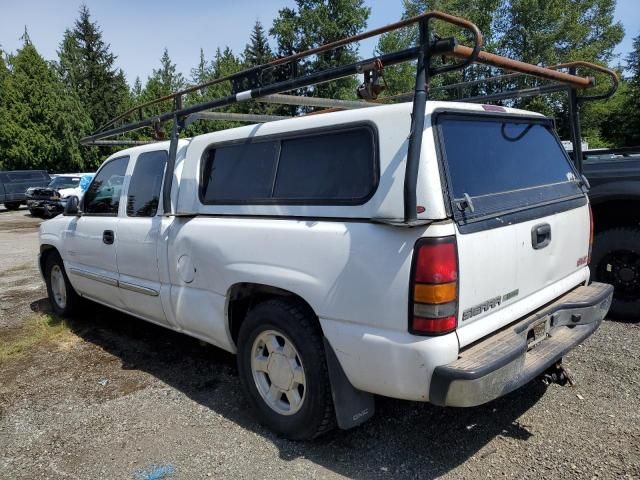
(112, 397)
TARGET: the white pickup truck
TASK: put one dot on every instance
(286, 245)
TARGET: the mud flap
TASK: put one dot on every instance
(353, 407)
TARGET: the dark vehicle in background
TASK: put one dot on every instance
(13, 185)
(614, 176)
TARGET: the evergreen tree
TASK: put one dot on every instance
(632, 106)
(544, 32)
(224, 63)
(4, 117)
(257, 51)
(548, 32)
(620, 116)
(136, 90)
(166, 79)
(202, 72)
(162, 82)
(45, 120)
(87, 67)
(317, 22)
(401, 78)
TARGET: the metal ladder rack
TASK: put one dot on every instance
(267, 82)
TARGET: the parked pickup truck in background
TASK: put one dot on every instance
(614, 176)
(288, 247)
(13, 185)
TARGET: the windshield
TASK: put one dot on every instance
(504, 164)
(64, 182)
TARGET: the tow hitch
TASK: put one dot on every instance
(558, 374)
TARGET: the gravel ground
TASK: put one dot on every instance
(114, 396)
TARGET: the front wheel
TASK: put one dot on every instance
(616, 260)
(64, 299)
(46, 212)
(283, 369)
(12, 205)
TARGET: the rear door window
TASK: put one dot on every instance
(143, 195)
(503, 164)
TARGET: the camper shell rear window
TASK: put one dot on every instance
(337, 166)
(502, 164)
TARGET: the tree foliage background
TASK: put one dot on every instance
(46, 107)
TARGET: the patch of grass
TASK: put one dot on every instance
(38, 328)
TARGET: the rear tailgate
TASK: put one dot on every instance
(522, 217)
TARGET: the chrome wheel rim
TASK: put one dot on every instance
(278, 372)
(58, 287)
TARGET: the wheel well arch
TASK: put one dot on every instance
(242, 297)
(616, 212)
(45, 251)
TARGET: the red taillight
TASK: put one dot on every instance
(590, 235)
(436, 263)
(435, 326)
(434, 290)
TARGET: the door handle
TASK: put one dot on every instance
(541, 236)
(108, 237)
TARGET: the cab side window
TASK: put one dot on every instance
(144, 188)
(103, 195)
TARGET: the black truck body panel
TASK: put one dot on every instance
(614, 177)
(613, 174)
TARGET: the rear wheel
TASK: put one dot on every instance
(283, 369)
(616, 260)
(64, 299)
(12, 205)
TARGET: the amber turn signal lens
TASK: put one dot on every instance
(442, 293)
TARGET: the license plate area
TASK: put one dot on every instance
(538, 332)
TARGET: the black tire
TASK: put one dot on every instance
(12, 205)
(616, 260)
(46, 212)
(35, 212)
(315, 415)
(72, 299)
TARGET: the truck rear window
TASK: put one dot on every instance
(503, 164)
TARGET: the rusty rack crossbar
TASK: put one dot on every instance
(266, 81)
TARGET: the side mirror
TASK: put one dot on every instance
(72, 207)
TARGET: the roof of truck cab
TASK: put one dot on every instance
(149, 147)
